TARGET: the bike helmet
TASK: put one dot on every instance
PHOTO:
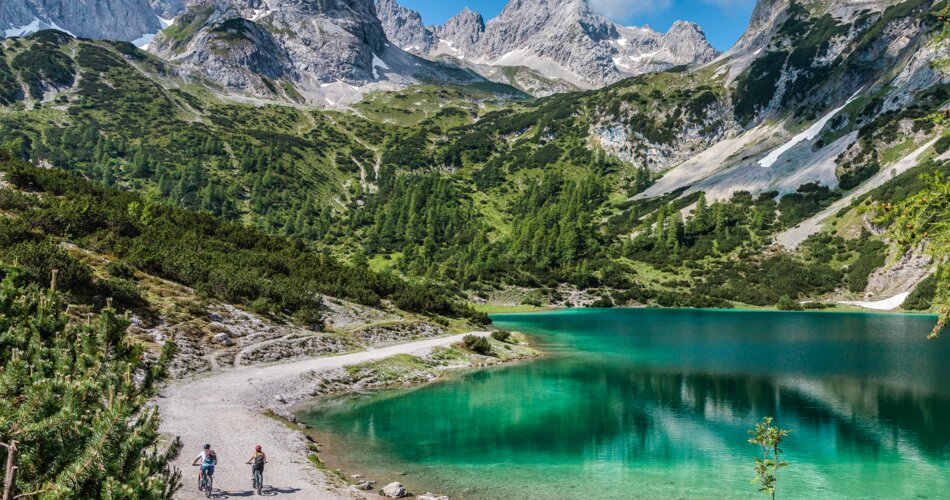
(207, 446)
(257, 448)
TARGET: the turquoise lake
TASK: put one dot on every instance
(647, 403)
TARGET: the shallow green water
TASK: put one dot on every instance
(656, 403)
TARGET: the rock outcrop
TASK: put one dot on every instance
(240, 54)
(460, 35)
(124, 20)
(404, 27)
(322, 51)
(168, 9)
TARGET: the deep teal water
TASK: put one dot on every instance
(656, 403)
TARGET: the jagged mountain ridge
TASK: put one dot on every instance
(125, 20)
(561, 39)
(322, 52)
(313, 45)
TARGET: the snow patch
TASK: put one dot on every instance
(143, 41)
(807, 135)
(35, 25)
(629, 61)
(879, 305)
(646, 55)
(378, 63)
(24, 30)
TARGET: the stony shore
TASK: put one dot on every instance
(235, 408)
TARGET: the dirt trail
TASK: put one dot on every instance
(226, 408)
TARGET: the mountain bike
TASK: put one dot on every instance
(258, 479)
(205, 482)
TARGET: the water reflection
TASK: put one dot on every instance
(567, 412)
(658, 402)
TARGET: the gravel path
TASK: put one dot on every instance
(791, 238)
(226, 408)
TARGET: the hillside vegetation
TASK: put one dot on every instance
(482, 196)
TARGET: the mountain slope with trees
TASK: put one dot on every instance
(592, 190)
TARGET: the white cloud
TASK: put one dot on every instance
(624, 9)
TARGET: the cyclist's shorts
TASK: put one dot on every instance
(209, 469)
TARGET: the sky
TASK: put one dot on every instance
(723, 20)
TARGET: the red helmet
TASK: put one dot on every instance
(257, 448)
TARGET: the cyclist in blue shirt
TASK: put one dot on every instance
(208, 460)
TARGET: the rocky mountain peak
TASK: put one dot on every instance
(563, 40)
(404, 27)
(112, 19)
(326, 52)
(462, 32)
(247, 44)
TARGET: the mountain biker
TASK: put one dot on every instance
(259, 459)
(208, 460)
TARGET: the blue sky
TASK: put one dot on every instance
(723, 20)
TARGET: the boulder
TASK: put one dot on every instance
(224, 339)
(365, 485)
(432, 496)
(395, 490)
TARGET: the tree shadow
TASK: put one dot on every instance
(269, 490)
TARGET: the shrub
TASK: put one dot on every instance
(38, 260)
(603, 302)
(501, 335)
(120, 270)
(923, 295)
(872, 256)
(942, 144)
(68, 396)
(476, 344)
(786, 303)
(310, 317)
(123, 291)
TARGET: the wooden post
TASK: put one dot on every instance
(10, 475)
(52, 284)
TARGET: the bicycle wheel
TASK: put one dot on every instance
(259, 479)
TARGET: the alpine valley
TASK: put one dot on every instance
(229, 185)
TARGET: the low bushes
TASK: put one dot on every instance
(501, 335)
(476, 344)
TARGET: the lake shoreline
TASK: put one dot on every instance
(236, 408)
(609, 385)
(837, 309)
(333, 386)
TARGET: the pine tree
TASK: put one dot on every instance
(69, 396)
